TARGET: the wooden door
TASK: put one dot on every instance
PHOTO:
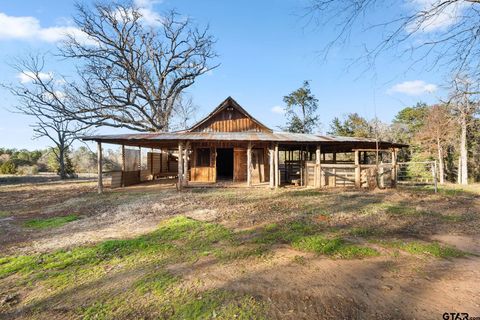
(239, 164)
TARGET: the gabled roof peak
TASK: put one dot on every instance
(227, 103)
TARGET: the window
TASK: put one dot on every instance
(203, 157)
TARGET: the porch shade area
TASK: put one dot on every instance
(272, 159)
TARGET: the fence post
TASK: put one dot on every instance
(434, 174)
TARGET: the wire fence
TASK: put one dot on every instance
(418, 173)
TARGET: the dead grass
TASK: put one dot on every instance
(235, 253)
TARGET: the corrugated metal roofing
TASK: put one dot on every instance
(232, 136)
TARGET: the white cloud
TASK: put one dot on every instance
(149, 16)
(442, 20)
(29, 28)
(413, 88)
(278, 109)
(28, 76)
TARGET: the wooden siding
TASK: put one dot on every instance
(230, 120)
(203, 174)
(259, 165)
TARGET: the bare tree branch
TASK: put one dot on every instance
(42, 97)
(135, 73)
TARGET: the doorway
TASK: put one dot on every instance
(224, 163)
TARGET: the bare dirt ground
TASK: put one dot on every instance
(290, 283)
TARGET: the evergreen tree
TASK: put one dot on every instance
(301, 110)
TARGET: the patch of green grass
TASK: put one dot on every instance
(218, 304)
(286, 233)
(4, 213)
(434, 249)
(47, 223)
(193, 237)
(365, 232)
(97, 311)
(157, 282)
(416, 247)
(336, 247)
(159, 293)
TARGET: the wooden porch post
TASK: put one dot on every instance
(394, 168)
(272, 169)
(185, 164)
(249, 164)
(318, 168)
(99, 168)
(180, 166)
(358, 182)
(277, 173)
(123, 165)
(334, 171)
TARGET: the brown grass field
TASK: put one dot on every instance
(149, 252)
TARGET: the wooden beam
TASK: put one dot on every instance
(272, 167)
(249, 164)
(123, 165)
(358, 182)
(277, 173)
(180, 167)
(185, 164)
(394, 168)
(318, 167)
(99, 168)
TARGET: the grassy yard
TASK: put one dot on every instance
(151, 252)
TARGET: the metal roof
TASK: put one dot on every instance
(233, 136)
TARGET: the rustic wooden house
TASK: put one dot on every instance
(231, 146)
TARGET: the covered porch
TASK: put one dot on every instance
(325, 162)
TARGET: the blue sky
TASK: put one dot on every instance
(265, 50)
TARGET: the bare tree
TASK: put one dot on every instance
(40, 95)
(185, 111)
(437, 134)
(131, 72)
(448, 30)
(464, 101)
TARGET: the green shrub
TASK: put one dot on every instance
(8, 167)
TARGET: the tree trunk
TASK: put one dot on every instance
(463, 152)
(441, 166)
(61, 163)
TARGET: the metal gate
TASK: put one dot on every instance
(417, 173)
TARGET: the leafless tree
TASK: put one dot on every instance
(41, 96)
(465, 103)
(185, 111)
(436, 134)
(443, 32)
(133, 72)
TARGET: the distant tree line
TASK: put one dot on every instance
(79, 160)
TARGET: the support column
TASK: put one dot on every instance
(334, 171)
(272, 167)
(185, 164)
(99, 168)
(140, 164)
(180, 166)
(358, 177)
(249, 164)
(277, 172)
(394, 168)
(318, 168)
(123, 165)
